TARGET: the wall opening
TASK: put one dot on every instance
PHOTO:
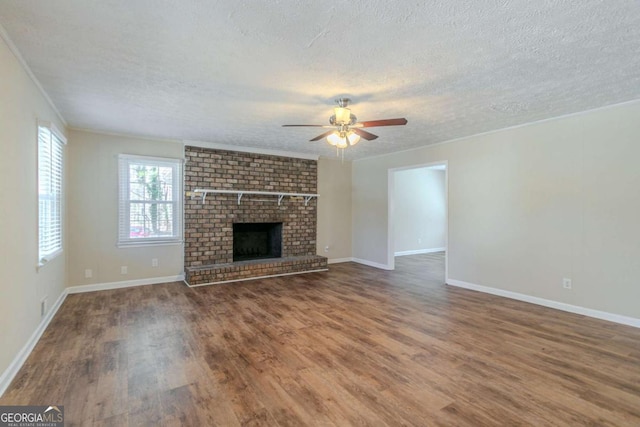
(418, 211)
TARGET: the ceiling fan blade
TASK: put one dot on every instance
(324, 135)
(386, 122)
(364, 134)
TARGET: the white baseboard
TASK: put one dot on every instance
(419, 251)
(15, 365)
(124, 284)
(371, 263)
(589, 312)
(339, 260)
(17, 362)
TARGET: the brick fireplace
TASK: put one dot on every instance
(209, 226)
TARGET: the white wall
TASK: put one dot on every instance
(334, 209)
(529, 206)
(22, 285)
(419, 201)
(92, 200)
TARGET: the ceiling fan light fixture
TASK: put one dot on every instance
(342, 143)
(343, 139)
(334, 139)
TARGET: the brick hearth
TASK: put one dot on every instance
(209, 226)
(243, 270)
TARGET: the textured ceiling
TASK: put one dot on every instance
(233, 71)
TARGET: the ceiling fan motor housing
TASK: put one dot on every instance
(340, 118)
(342, 115)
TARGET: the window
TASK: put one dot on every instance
(150, 209)
(50, 171)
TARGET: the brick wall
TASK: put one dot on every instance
(209, 226)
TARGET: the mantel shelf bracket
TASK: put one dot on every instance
(204, 191)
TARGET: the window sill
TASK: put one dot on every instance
(123, 245)
(45, 260)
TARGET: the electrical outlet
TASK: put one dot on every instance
(566, 283)
(124, 269)
(326, 248)
(154, 262)
(419, 240)
(88, 273)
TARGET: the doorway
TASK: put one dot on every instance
(418, 211)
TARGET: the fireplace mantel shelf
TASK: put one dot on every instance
(240, 193)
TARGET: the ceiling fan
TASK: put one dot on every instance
(345, 129)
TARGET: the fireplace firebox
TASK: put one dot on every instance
(257, 240)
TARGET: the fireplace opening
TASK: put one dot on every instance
(257, 240)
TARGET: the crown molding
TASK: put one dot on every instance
(521, 125)
(16, 53)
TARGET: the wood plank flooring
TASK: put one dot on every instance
(354, 346)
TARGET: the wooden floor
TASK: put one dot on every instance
(354, 346)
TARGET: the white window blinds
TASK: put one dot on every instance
(50, 198)
(150, 208)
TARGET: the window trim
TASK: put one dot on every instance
(124, 160)
(55, 131)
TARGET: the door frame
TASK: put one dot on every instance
(390, 211)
